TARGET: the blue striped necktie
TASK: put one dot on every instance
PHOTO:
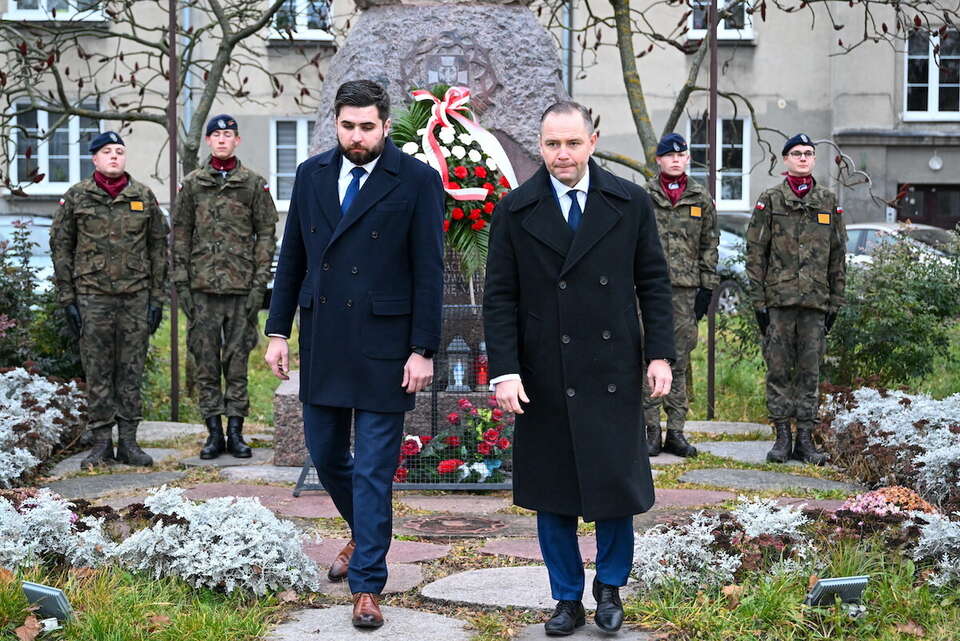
(575, 214)
(352, 189)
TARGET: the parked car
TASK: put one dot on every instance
(40, 260)
(934, 242)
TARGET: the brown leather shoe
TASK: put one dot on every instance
(366, 610)
(338, 569)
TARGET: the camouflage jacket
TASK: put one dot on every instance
(688, 234)
(103, 245)
(225, 231)
(796, 250)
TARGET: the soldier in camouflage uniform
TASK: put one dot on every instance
(109, 242)
(687, 222)
(796, 245)
(225, 230)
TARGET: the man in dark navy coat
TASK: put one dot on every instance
(362, 257)
(572, 252)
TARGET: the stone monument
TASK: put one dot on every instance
(498, 49)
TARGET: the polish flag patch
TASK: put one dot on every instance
(62, 202)
(761, 206)
(266, 187)
(839, 210)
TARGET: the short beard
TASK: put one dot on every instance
(365, 155)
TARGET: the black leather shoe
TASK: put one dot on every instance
(609, 615)
(568, 616)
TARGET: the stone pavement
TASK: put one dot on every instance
(72, 464)
(402, 624)
(590, 631)
(259, 456)
(763, 480)
(742, 451)
(91, 487)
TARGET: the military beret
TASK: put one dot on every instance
(104, 139)
(223, 121)
(671, 143)
(799, 139)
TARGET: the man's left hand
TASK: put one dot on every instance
(659, 378)
(417, 373)
(154, 316)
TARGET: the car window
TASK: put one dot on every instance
(736, 225)
(854, 236)
(940, 239)
(875, 238)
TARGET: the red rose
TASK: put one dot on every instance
(446, 225)
(488, 207)
(474, 214)
(504, 182)
(449, 465)
(456, 213)
(460, 172)
(453, 186)
(453, 417)
(484, 448)
(497, 414)
(488, 186)
(464, 404)
(410, 448)
(491, 436)
(453, 441)
(503, 444)
(400, 476)
(480, 172)
(426, 438)
(477, 226)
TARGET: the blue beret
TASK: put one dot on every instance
(671, 143)
(799, 139)
(104, 139)
(223, 121)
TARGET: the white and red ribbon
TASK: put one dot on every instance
(454, 106)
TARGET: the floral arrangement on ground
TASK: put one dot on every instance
(471, 450)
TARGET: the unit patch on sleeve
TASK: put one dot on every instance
(136, 205)
(695, 212)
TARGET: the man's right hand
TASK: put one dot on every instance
(278, 357)
(185, 299)
(763, 320)
(509, 395)
(74, 320)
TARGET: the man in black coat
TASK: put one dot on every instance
(572, 252)
(362, 257)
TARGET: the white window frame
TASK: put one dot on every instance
(302, 32)
(723, 33)
(303, 152)
(41, 153)
(14, 12)
(932, 113)
(743, 203)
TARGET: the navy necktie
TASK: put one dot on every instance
(352, 189)
(575, 213)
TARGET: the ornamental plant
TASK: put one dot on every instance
(441, 130)
(471, 450)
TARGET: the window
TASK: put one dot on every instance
(290, 141)
(45, 10)
(51, 145)
(303, 20)
(733, 178)
(932, 87)
(737, 26)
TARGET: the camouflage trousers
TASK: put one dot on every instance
(685, 339)
(113, 350)
(220, 338)
(792, 347)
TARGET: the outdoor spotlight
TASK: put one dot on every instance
(50, 602)
(848, 588)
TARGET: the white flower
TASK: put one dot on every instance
(415, 439)
(491, 164)
(760, 516)
(410, 148)
(458, 151)
(444, 151)
(474, 155)
(422, 158)
(447, 135)
(466, 139)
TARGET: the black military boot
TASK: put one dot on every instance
(235, 444)
(102, 451)
(804, 449)
(676, 443)
(653, 439)
(780, 451)
(127, 449)
(214, 445)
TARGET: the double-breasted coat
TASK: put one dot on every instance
(561, 309)
(369, 284)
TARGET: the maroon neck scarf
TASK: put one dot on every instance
(674, 186)
(800, 185)
(223, 165)
(113, 186)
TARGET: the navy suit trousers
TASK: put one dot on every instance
(360, 484)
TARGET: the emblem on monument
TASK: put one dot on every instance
(454, 59)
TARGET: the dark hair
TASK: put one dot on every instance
(362, 93)
(567, 107)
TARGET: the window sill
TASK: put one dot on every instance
(929, 116)
(745, 40)
(297, 38)
(44, 17)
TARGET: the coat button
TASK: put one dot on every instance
(349, 302)
(571, 392)
(564, 339)
(606, 334)
(326, 266)
(611, 388)
(562, 284)
(354, 270)
(603, 280)
(322, 299)
(374, 235)
(313, 230)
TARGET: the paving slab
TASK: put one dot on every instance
(763, 480)
(671, 498)
(522, 587)
(267, 473)
(665, 458)
(276, 499)
(400, 578)
(260, 455)
(90, 487)
(535, 632)
(456, 503)
(401, 624)
(742, 451)
(725, 427)
(530, 548)
(460, 526)
(400, 551)
(72, 464)
(167, 430)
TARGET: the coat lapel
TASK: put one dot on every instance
(545, 221)
(383, 180)
(325, 187)
(599, 217)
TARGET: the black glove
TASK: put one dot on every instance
(702, 303)
(763, 320)
(74, 320)
(829, 320)
(154, 316)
